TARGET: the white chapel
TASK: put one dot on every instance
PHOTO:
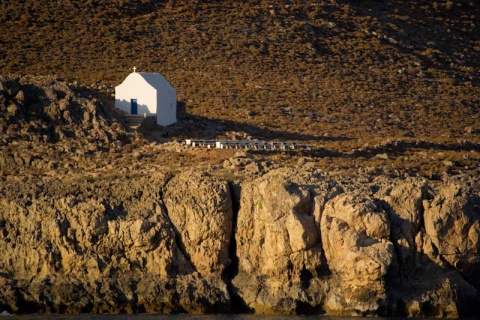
(147, 94)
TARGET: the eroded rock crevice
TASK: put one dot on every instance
(178, 239)
(238, 305)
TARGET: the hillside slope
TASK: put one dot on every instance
(366, 71)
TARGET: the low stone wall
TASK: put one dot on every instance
(247, 144)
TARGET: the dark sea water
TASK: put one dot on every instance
(178, 317)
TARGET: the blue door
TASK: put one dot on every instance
(134, 105)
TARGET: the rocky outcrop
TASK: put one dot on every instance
(43, 115)
(301, 242)
(452, 222)
(356, 233)
(103, 246)
(85, 228)
(47, 109)
(308, 244)
(200, 209)
(281, 262)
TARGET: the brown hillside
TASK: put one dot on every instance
(344, 74)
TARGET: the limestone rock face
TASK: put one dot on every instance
(404, 202)
(452, 221)
(355, 233)
(90, 246)
(292, 241)
(309, 244)
(278, 242)
(200, 208)
(423, 273)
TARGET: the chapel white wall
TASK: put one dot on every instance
(167, 107)
(135, 87)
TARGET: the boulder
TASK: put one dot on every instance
(355, 233)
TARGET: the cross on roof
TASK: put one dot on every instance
(134, 68)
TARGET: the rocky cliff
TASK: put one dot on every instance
(93, 219)
(291, 241)
(307, 243)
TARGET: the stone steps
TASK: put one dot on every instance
(132, 122)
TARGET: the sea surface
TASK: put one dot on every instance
(178, 317)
